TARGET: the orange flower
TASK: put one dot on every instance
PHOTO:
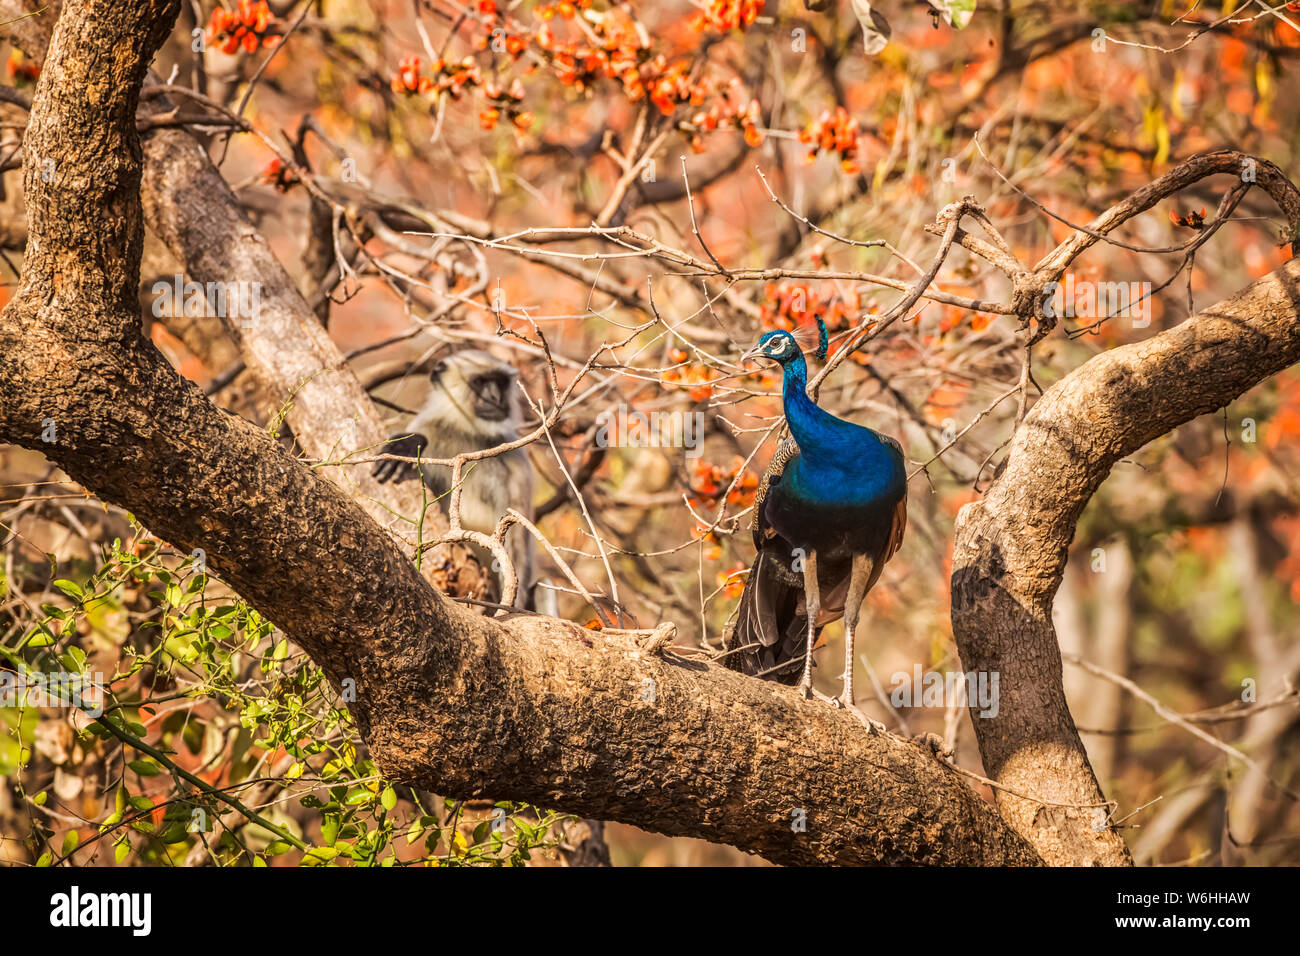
(1193, 220)
(725, 15)
(277, 174)
(835, 132)
(712, 546)
(743, 493)
(731, 581)
(407, 79)
(20, 70)
(696, 379)
(796, 304)
(245, 26)
(708, 481)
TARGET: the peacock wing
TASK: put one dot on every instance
(764, 532)
(899, 524)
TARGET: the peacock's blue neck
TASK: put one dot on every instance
(831, 449)
(811, 427)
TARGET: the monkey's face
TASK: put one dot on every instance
(481, 389)
(491, 395)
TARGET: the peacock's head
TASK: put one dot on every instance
(779, 346)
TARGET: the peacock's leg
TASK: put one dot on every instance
(859, 578)
(812, 605)
(859, 575)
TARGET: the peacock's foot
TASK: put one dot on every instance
(809, 692)
(934, 743)
(874, 727)
(826, 698)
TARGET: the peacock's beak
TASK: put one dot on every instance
(753, 355)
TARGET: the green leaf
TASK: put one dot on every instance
(70, 843)
(388, 798)
(318, 855)
(70, 588)
(74, 659)
(145, 767)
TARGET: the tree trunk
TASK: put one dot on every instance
(1011, 546)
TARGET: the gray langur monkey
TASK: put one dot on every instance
(473, 405)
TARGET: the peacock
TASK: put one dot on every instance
(829, 512)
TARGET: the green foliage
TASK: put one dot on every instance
(214, 728)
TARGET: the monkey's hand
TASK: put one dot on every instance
(406, 445)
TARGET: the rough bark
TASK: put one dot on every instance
(189, 206)
(1011, 546)
(538, 709)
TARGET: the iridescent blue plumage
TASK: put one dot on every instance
(839, 463)
(831, 509)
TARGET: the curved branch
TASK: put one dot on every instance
(1011, 547)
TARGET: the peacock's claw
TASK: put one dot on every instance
(934, 743)
(826, 698)
(874, 727)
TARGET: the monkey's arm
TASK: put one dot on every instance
(408, 446)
